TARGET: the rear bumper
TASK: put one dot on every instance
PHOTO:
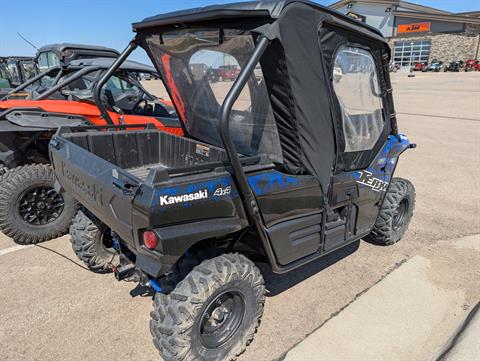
(175, 240)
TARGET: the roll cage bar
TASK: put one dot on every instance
(75, 76)
(80, 72)
(35, 79)
(103, 80)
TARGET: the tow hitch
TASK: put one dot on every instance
(125, 272)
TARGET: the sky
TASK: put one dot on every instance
(108, 22)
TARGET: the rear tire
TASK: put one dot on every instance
(30, 209)
(212, 314)
(395, 214)
(91, 243)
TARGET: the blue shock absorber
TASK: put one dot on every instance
(155, 285)
(115, 241)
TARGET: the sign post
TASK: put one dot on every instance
(411, 75)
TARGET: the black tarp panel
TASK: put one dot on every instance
(297, 27)
(276, 75)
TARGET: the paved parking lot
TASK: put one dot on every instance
(52, 308)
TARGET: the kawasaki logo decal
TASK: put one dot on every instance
(167, 200)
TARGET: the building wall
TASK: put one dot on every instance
(376, 16)
(436, 26)
(449, 47)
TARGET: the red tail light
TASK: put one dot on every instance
(150, 239)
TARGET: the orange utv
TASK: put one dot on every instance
(31, 210)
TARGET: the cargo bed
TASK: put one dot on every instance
(113, 170)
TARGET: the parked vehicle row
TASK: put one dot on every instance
(280, 163)
(438, 66)
(31, 210)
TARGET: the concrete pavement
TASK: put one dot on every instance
(465, 345)
(409, 315)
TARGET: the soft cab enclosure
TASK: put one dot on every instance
(300, 149)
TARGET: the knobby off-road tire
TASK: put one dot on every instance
(395, 214)
(212, 314)
(92, 243)
(30, 209)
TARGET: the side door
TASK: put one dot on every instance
(359, 182)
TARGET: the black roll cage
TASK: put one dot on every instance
(73, 77)
(97, 91)
(35, 79)
(80, 72)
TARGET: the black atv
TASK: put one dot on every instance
(287, 167)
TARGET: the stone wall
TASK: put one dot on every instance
(449, 47)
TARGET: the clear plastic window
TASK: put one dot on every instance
(4, 79)
(356, 85)
(42, 62)
(199, 68)
(53, 60)
(14, 73)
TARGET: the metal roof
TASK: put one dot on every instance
(105, 63)
(64, 46)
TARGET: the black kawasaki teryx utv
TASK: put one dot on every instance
(285, 166)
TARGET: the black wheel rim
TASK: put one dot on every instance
(400, 214)
(40, 205)
(221, 319)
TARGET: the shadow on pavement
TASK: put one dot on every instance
(278, 283)
(275, 283)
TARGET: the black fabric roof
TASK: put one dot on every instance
(266, 9)
(105, 63)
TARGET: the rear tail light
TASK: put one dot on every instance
(150, 239)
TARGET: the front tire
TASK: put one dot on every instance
(212, 314)
(395, 214)
(92, 243)
(31, 211)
